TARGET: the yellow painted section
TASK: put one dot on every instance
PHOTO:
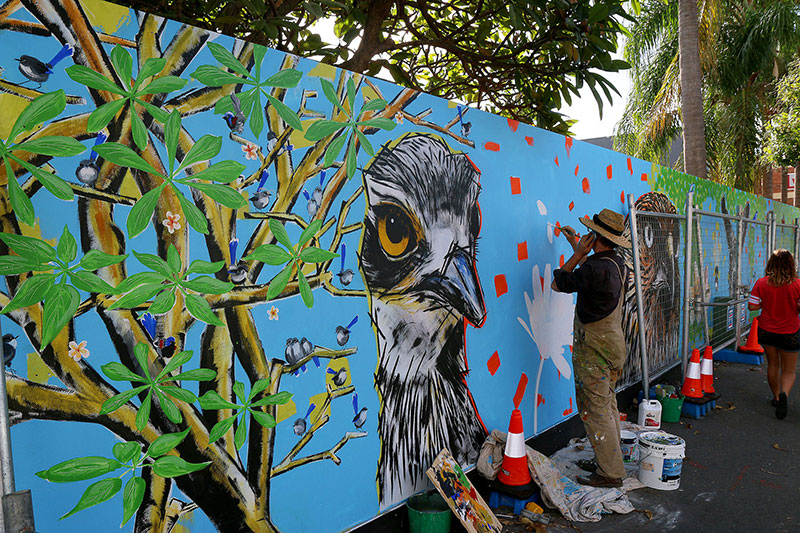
(369, 93)
(106, 16)
(128, 187)
(35, 232)
(286, 410)
(323, 71)
(10, 108)
(318, 400)
(336, 365)
(38, 372)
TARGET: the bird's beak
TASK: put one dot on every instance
(460, 287)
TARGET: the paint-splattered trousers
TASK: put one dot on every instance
(598, 357)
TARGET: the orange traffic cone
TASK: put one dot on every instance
(707, 371)
(752, 345)
(692, 387)
(515, 458)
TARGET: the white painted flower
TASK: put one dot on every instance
(78, 351)
(398, 117)
(542, 207)
(273, 313)
(172, 222)
(250, 151)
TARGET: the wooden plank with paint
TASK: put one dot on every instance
(451, 482)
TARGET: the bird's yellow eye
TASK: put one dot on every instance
(395, 232)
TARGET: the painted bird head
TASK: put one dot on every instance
(421, 228)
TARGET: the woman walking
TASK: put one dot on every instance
(778, 296)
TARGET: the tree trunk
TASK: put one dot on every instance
(694, 142)
(768, 183)
(784, 185)
(796, 192)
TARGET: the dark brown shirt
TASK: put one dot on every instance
(597, 282)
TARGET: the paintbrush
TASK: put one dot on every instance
(565, 229)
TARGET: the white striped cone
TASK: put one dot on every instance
(707, 371)
(692, 387)
(515, 457)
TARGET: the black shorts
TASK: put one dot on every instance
(787, 342)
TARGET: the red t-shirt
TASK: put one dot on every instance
(778, 306)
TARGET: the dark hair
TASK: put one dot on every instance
(780, 268)
(605, 241)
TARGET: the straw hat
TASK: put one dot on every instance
(610, 225)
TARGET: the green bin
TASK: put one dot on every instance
(671, 408)
(428, 513)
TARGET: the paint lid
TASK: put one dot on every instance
(661, 438)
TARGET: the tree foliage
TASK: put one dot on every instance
(521, 59)
(783, 131)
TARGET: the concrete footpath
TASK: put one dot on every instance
(741, 472)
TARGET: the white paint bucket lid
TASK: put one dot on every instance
(626, 435)
(661, 440)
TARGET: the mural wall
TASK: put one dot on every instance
(249, 292)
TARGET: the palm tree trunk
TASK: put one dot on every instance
(784, 185)
(796, 192)
(694, 142)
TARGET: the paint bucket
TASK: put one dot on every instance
(671, 408)
(627, 443)
(428, 513)
(660, 459)
(650, 414)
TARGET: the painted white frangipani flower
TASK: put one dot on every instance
(549, 325)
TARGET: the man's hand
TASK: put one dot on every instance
(571, 235)
(584, 245)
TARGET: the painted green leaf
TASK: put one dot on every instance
(92, 79)
(96, 493)
(322, 128)
(198, 266)
(279, 232)
(95, 259)
(67, 249)
(153, 262)
(222, 55)
(214, 76)
(166, 443)
(163, 302)
(59, 308)
(168, 406)
(55, 145)
(199, 308)
(90, 282)
(203, 149)
(121, 155)
(381, 123)
(240, 435)
(238, 390)
(365, 142)
(208, 285)
(151, 67)
(29, 247)
(270, 254)
(156, 112)
(330, 93)
(132, 497)
(183, 395)
(139, 131)
(196, 219)
(374, 105)
(125, 452)
(223, 194)
(173, 466)
(288, 116)
(195, 374)
(79, 469)
(316, 255)
(140, 352)
(265, 419)
(333, 150)
(33, 290)
(123, 62)
(143, 415)
(258, 387)
(174, 259)
(55, 185)
(287, 78)
(279, 398)
(140, 278)
(178, 360)
(13, 265)
(172, 133)
(279, 282)
(101, 116)
(142, 211)
(42, 108)
(351, 161)
(258, 50)
(167, 84)
(223, 172)
(220, 428)
(305, 289)
(118, 400)
(257, 119)
(119, 372)
(351, 93)
(20, 203)
(213, 401)
(309, 232)
(137, 296)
